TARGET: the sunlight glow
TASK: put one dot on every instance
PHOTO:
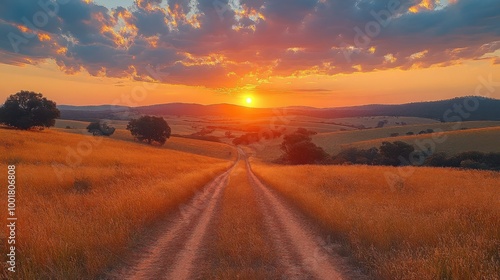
(248, 100)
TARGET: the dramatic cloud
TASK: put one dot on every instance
(226, 44)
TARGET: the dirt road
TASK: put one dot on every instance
(180, 248)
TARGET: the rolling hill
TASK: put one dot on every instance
(444, 110)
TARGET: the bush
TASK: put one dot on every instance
(456, 160)
(82, 185)
(357, 156)
(100, 128)
(437, 159)
(150, 129)
(493, 160)
(471, 164)
(472, 160)
(27, 109)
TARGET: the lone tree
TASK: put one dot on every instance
(149, 129)
(100, 128)
(27, 109)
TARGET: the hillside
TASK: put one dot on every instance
(192, 146)
(335, 141)
(85, 199)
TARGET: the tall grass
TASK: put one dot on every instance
(78, 224)
(241, 250)
(442, 224)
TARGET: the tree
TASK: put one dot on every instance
(27, 109)
(150, 129)
(392, 152)
(299, 149)
(100, 128)
(436, 159)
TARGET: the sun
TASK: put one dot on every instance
(249, 100)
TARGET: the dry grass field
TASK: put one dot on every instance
(442, 224)
(78, 219)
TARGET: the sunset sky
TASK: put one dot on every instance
(321, 53)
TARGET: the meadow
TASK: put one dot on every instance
(440, 223)
(82, 201)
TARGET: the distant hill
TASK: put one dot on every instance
(98, 108)
(444, 110)
(487, 109)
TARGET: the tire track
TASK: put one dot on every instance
(303, 254)
(173, 254)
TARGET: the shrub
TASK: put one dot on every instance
(436, 159)
(100, 128)
(357, 156)
(471, 164)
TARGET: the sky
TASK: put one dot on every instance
(261, 53)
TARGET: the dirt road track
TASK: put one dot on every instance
(173, 254)
(303, 253)
(179, 249)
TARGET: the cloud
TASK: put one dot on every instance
(220, 44)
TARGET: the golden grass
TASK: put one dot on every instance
(76, 225)
(442, 224)
(241, 248)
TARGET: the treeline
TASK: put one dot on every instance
(254, 137)
(298, 148)
(398, 153)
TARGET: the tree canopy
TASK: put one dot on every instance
(150, 129)
(100, 128)
(27, 109)
(298, 148)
